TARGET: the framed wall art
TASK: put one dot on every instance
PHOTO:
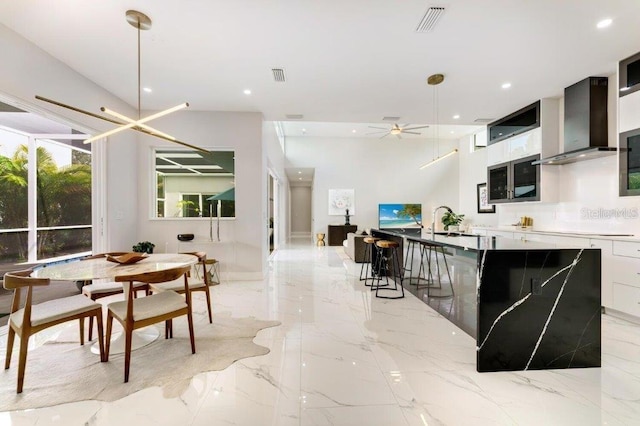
(483, 200)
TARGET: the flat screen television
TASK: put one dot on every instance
(405, 218)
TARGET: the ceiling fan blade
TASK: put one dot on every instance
(414, 128)
(385, 135)
(374, 127)
(376, 133)
(398, 136)
(411, 133)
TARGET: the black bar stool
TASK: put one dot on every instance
(427, 250)
(409, 262)
(367, 265)
(389, 262)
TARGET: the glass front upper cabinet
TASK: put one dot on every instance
(630, 163)
(520, 121)
(629, 71)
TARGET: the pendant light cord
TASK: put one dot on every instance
(138, 69)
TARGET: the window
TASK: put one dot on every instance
(193, 184)
(479, 140)
(60, 194)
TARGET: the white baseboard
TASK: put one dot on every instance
(301, 235)
(621, 315)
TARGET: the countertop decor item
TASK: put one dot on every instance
(185, 237)
(127, 258)
(450, 218)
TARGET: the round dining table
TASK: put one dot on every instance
(102, 269)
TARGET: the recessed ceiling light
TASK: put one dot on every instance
(604, 23)
(147, 89)
(506, 85)
(247, 91)
(304, 130)
(455, 117)
(353, 131)
(299, 172)
(452, 132)
(299, 178)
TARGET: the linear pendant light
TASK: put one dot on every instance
(140, 21)
(435, 160)
(434, 80)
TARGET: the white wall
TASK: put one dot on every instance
(473, 170)
(301, 210)
(380, 171)
(242, 252)
(276, 164)
(27, 71)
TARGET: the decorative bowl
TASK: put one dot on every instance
(127, 258)
(185, 237)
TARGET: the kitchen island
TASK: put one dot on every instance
(538, 304)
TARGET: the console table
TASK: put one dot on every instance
(338, 233)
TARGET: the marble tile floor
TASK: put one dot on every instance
(343, 357)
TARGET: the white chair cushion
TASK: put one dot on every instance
(175, 285)
(108, 287)
(150, 306)
(55, 309)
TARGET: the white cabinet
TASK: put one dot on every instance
(516, 147)
(478, 231)
(625, 277)
(626, 299)
(568, 241)
(503, 234)
(629, 111)
(606, 265)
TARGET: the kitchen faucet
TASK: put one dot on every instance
(433, 224)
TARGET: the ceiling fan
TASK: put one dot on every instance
(396, 130)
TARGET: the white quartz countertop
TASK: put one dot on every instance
(604, 235)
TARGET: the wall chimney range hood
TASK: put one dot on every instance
(578, 155)
(586, 132)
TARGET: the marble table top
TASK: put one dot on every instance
(91, 269)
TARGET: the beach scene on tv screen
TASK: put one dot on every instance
(395, 216)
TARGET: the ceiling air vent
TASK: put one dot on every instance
(295, 116)
(390, 118)
(430, 19)
(278, 74)
(483, 120)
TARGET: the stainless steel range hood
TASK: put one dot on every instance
(585, 123)
(578, 155)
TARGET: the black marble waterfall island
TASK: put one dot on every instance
(538, 304)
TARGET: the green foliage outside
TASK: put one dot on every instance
(63, 198)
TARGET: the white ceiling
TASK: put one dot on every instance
(349, 61)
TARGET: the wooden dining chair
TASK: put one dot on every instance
(104, 289)
(27, 319)
(135, 313)
(195, 284)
